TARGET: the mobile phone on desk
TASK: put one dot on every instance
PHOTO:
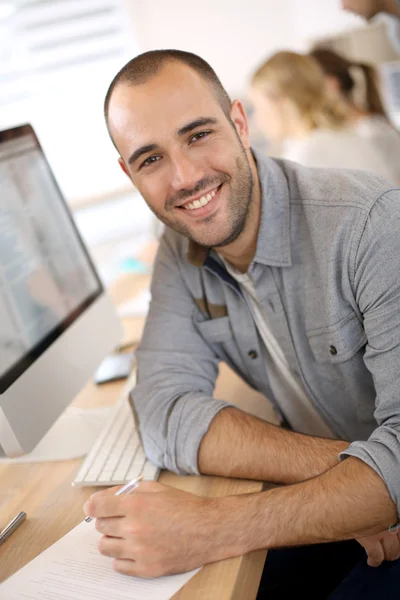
(114, 367)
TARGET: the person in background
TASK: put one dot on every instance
(292, 106)
(370, 8)
(368, 117)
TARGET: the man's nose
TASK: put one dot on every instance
(185, 172)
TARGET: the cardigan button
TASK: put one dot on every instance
(253, 354)
(332, 350)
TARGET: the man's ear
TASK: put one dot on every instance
(124, 167)
(239, 118)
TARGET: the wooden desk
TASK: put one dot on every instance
(53, 506)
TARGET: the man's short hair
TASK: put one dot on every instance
(144, 66)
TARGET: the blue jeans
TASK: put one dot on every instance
(335, 571)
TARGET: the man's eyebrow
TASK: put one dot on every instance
(142, 150)
(197, 123)
(182, 131)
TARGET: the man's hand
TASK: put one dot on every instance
(159, 530)
(382, 546)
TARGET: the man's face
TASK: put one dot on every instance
(189, 162)
(364, 8)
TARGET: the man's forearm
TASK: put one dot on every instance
(240, 445)
(348, 501)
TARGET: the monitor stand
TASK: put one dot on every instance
(71, 436)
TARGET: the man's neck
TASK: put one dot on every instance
(241, 252)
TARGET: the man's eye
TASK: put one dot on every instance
(149, 161)
(199, 136)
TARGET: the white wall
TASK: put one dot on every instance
(235, 35)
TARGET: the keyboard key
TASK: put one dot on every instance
(117, 454)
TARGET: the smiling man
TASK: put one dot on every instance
(207, 194)
(291, 276)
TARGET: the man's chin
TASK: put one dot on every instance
(208, 241)
(217, 240)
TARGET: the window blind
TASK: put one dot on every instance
(57, 58)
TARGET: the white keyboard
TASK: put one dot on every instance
(117, 455)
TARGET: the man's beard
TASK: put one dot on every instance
(238, 209)
(240, 201)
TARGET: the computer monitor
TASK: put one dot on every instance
(57, 323)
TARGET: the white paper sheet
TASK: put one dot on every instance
(73, 569)
(71, 436)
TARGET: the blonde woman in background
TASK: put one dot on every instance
(292, 106)
(367, 113)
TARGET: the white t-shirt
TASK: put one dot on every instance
(338, 149)
(287, 389)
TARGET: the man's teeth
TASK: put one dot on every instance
(201, 202)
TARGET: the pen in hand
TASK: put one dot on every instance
(128, 487)
(12, 526)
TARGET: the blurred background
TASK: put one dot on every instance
(57, 58)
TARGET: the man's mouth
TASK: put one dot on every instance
(201, 201)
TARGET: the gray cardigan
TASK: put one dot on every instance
(327, 274)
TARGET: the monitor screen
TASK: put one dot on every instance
(47, 278)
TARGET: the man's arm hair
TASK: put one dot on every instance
(240, 445)
(346, 502)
